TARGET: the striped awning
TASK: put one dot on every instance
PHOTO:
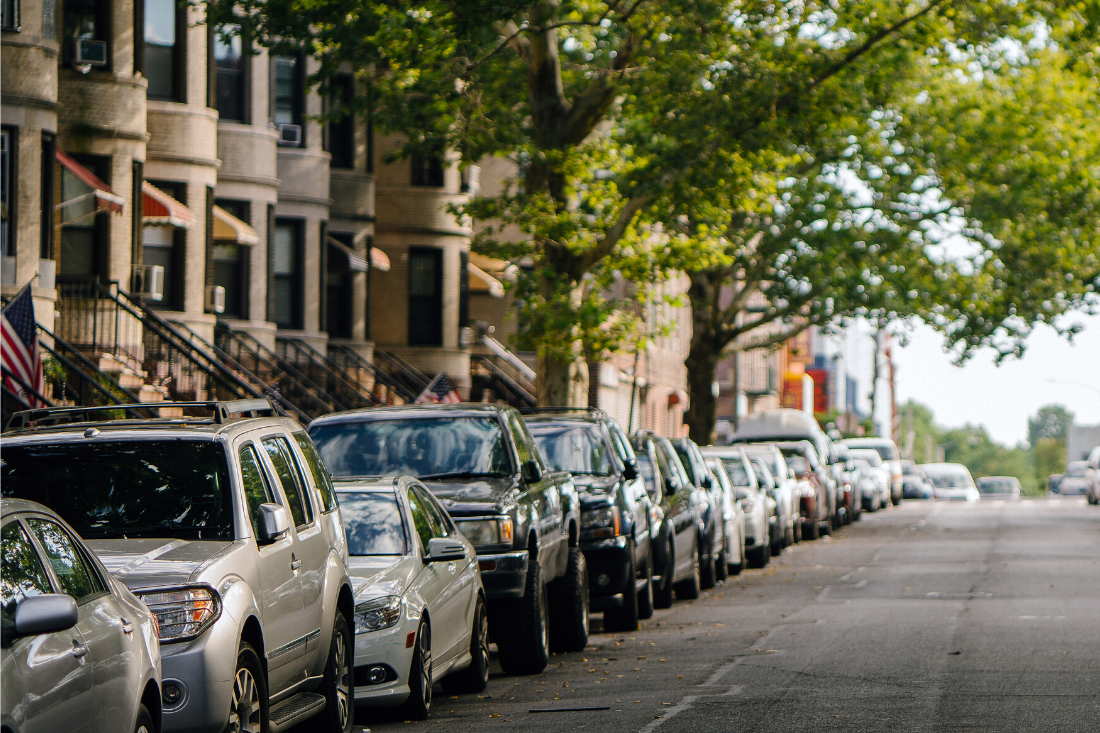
(161, 210)
(229, 228)
(91, 194)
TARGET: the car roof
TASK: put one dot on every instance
(401, 412)
(778, 423)
(170, 429)
(20, 506)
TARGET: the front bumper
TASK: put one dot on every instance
(203, 669)
(387, 647)
(504, 575)
(608, 571)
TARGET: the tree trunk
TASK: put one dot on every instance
(553, 382)
(702, 365)
(594, 384)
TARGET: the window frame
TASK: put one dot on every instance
(250, 445)
(297, 278)
(179, 55)
(9, 173)
(295, 476)
(426, 305)
(427, 171)
(12, 22)
(103, 32)
(245, 72)
(28, 536)
(90, 564)
(327, 490)
(297, 97)
(342, 86)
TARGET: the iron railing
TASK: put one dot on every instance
(321, 370)
(401, 371)
(485, 374)
(385, 388)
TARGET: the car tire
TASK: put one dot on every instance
(722, 565)
(474, 678)
(645, 595)
(338, 683)
(758, 557)
(895, 500)
(249, 700)
(144, 722)
(419, 703)
(737, 567)
(522, 627)
(625, 617)
(662, 594)
(810, 530)
(796, 530)
(569, 598)
(688, 588)
(707, 568)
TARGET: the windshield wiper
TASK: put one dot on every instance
(459, 474)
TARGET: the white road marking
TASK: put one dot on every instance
(672, 712)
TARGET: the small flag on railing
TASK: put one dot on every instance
(441, 389)
(19, 351)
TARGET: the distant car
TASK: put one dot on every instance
(891, 458)
(999, 487)
(732, 558)
(415, 578)
(952, 481)
(1077, 480)
(79, 650)
(878, 473)
(748, 494)
(818, 503)
(712, 561)
(786, 490)
(916, 486)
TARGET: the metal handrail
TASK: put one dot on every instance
(413, 377)
(336, 383)
(516, 391)
(356, 360)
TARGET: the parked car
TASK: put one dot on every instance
(999, 487)
(523, 519)
(733, 521)
(415, 579)
(891, 458)
(784, 488)
(676, 547)
(229, 530)
(712, 551)
(1077, 480)
(79, 651)
(754, 505)
(951, 481)
(853, 500)
(917, 486)
(873, 466)
(615, 509)
(818, 502)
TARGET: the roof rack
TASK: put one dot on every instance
(221, 412)
(596, 411)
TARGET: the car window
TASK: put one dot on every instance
(74, 572)
(717, 470)
(622, 445)
(650, 476)
(578, 449)
(423, 522)
(440, 521)
(738, 474)
(317, 470)
(256, 490)
(372, 520)
(21, 572)
(519, 436)
(278, 452)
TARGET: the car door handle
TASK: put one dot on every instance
(127, 627)
(79, 650)
(295, 564)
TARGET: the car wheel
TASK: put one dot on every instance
(522, 627)
(796, 530)
(688, 589)
(645, 595)
(248, 709)
(419, 702)
(144, 723)
(722, 565)
(625, 617)
(662, 592)
(810, 530)
(474, 678)
(896, 500)
(569, 595)
(737, 567)
(337, 686)
(707, 568)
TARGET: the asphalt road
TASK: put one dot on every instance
(926, 617)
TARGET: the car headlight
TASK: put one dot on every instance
(488, 531)
(381, 613)
(604, 522)
(182, 613)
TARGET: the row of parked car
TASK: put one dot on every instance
(239, 572)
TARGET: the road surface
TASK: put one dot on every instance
(925, 617)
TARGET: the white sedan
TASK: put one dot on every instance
(419, 603)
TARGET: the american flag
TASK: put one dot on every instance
(19, 350)
(441, 389)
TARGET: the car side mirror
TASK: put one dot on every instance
(441, 549)
(532, 471)
(272, 523)
(44, 614)
(630, 472)
(671, 486)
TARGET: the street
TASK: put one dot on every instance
(930, 616)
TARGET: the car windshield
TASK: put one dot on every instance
(908, 469)
(1077, 470)
(996, 487)
(372, 520)
(425, 447)
(112, 489)
(735, 469)
(577, 449)
(950, 480)
(798, 464)
(649, 474)
(772, 461)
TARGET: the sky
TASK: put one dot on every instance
(1001, 398)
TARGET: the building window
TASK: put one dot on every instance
(84, 239)
(288, 99)
(231, 65)
(165, 246)
(85, 20)
(7, 192)
(287, 273)
(9, 15)
(231, 262)
(427, 170)
(425, 296)
(165, 29)
(338, 288)
(49, 165)
(341, 132)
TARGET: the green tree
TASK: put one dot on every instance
(1051, 421)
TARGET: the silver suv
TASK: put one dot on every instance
(228, 529)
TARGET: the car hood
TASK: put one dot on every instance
(472, 495)
(142, 563)
(595, 489)
(374, 576)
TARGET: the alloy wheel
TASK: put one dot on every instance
(244, 714)
(482, 632)
(343, 676)
(426, 665)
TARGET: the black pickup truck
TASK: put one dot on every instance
(522, 518)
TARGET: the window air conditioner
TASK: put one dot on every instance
(90, 52)
(290, 135)
(215, 298)
(149, 282)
